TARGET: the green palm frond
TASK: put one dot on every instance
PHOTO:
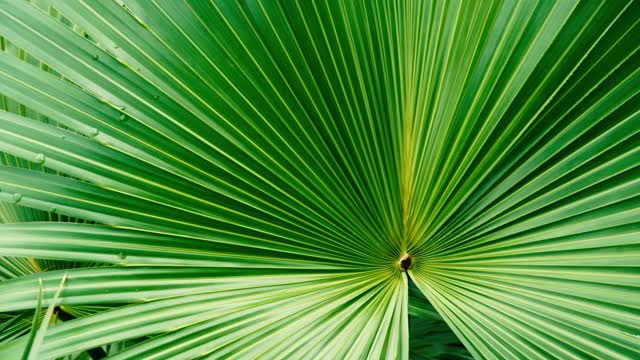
(241, 178)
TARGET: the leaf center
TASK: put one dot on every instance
(405, 262)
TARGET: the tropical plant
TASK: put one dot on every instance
(294, 179)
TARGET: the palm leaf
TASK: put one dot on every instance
(253, 171)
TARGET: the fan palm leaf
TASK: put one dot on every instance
(253, 172)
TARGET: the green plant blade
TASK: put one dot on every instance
(28, 350)
(34, 346)
(525, 239)
(241, 310)
(120, 246)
